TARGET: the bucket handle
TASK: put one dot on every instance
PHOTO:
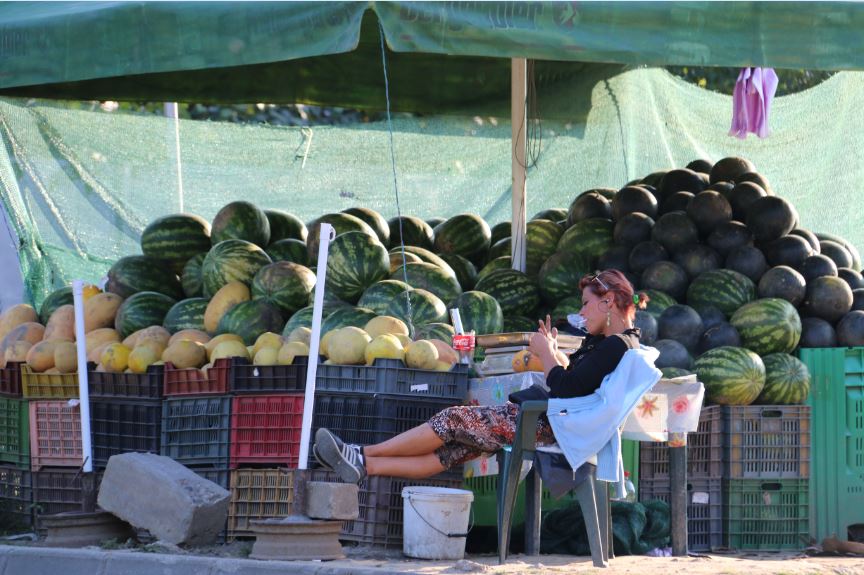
(453, 535)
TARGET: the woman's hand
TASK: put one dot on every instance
(550, 332)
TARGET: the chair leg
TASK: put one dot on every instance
(508, 485)
(604, 516)
(585, 496)
(533, 489)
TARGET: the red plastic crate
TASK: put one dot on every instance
(266, 429)
(55, 434)
(10, 379)
(185, 382)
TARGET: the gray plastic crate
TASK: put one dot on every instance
(766, 442)
(704, 509)
(704, 450)
(392, 377)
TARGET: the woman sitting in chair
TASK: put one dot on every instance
(461, 433)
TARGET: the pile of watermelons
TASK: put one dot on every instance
(729, 272)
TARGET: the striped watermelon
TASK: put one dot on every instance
(551, 215)
(413, 231)
(466, 273)
(500, 231)
(288, 250)
(465, 234)
(140, 310)
(673, 372)
(559, 277)
(426, 256)
(724, 289)
(303, 318)
(345, 316)
(375, 221)
(479, 312)
(286, 285)
(542, 237)
(380, 295)
(731, 375)
(285, 226)
(516, 323)
(515, 292)
(502, 247)
(241, 220)
(231, 260)
(192, 279)
(499, 263)
(58, 297)
(341, 223)
(767, 326)
(356, 261)
(133, 274)
(587, 239)
(442, 331)
(426, 307)
(176, 238)
(249, 319)
(658, 301)
(787, 380)
(569, 305)
(431, 278)
(186, 314)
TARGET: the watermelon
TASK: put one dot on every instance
(356, 261)
(742, 195)
(748, 260)
(647, 325)
(241, 220)
(132, 274)
(140, 310)
(787, 380)
(438, 330)
(58, 297)
(412, 231)
(231, 260)
(783, 282)
(837, 252)
(426, 307)
(435, 221)
(770, 218)
(380, 295)
(285, 226)
(632, 229)
(853, 251)
(677, 181)
(682, 324)
(192, 280)
(850, 329)
(346, 316)
(286, 285)
(667, 277)
(479, 312)
(828, 298)
(817, 332)
(516, 323)
(515, 292)
(672, 354)
(288, 250)
(465, 234)
(700, 165)
(560, 275)
(342, 223)
(186, 314)
(541, 238)
(677, 202)
(501, 248)
(633, 199)
(249, 319)
(729, 236)
(718, 336)
(499, 263)
(644, 254)
(587, 239)
(551, 214)
(176, 238)
(500, 231)
(725, 289)
(675, 232)
(697, 259)
(708, 210)
(727, 169)
(569, 305)
(431, 278)
(303, 318)
(658, 301)
(673, 372)
(731, 375)
(466, 273)
(375, 221)
(588, 205)
(426, 256)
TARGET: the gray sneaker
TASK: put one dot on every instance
(342, 458)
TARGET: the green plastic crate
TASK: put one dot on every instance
(14, 432)
(837, 439)
(768, 514)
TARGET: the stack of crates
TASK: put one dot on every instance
(16, 493)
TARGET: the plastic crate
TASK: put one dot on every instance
(16, 497)
(14, 432)
(704, 450)
(55, 434)
(147, 386)
(766, 442)
(392, 377)
(58, 491)
(485, 504)
(266, 429)
(248, 378)
(48, 385)
(769, 514)
(221, 477)
(10, 379)
(123, 427)
(704, 508)
(183, 382)
(196, 431)
(381, 506)
(258, 494)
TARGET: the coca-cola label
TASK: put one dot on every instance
(463, 342)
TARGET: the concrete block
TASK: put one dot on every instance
(158, 494)
(332, 500)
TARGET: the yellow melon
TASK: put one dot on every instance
(61, 324)
(526, 361)
(66, 357)
(15, 316)
(323, 345)
(17, 351)
(100, 310)
(290, 350)
(155, 333)
(266, 356)
(190, 334)
(422, 355)
(99, 337)
(404, 340)
(227, 297)
(229, 348)
(185, 354)
(141, 358)
(445, 352)
(41, 356)
(385, 324)
(348, 346)
(384, 346)
(267, 339)
(52, 371)
(155, 345)
(211, 345)
(302, 334)
(443, 366)
(250, 350)
(115, 356)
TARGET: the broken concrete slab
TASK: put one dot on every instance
(169, 500)
(337, 501)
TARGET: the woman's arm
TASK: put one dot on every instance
(585, 377)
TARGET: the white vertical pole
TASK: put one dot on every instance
(519, 139)
(83, 383)
(172, 111)
(325, 236)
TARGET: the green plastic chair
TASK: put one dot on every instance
(591, 494)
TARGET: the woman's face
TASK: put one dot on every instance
(594, 309)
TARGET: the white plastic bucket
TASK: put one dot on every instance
(435, 522)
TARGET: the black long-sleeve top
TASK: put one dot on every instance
(598, 357)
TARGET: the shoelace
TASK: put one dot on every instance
(351, 453)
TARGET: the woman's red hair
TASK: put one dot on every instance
(615, 283)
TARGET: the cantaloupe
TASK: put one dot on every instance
(141, 358)
(382, 324)
(15, 316)
(100, 310)
(291, 350)
(526, 361)
(227, 297)
(422, 355)
(31, 332)
(17, 351)
(61, 324)
(100, 337)
(211, 345)
(41, 356)
(185, 354)
(229, 348)
(155, 333)
(191, 335)
(445, 352)
(115, 357)
(267, 339)
(384, 346)
(302, 334)
(348, 346)
(66, 357)
(266, 356)
(323, 345)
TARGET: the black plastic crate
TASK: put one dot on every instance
(58, 490)
(392, 377)
(247, 378)
(196, 431)
(16, 498)
(704, 508)
(10, 379)
(766, 442)
(147, 385)
(704, 450)
(123, 427)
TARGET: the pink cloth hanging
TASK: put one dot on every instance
(751, 101)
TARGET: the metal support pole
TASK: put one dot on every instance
(519, 140)
(678, 499)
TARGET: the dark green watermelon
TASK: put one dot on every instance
(466, 273)
(770, 218)
(785, 283)
(186, 314)
(375, 221)
(589, 205)
(240, 220)
(515, 292)
(342, 223)
(500, 248)
(856, 256)
(303, 318)
(828, 298)
(132, 274)
(426, 256)
(658, 301)
(499, 263)
(551, 214)
(58, 297)
(731, 375)
(465, 234)
(541, 241)
(286, 285)
(192, 279)
(285, 226)
(431, 278)
(356, 261)
(569, 305)
(787, 380)
(231, 260)
(479, 312)
(345, 316)
(516, 323)
(249, 319)
(587, 239)
(725, 289)
(730, 168)
(140, 310)
(412, 231)
(500, 231)
(559, 277)
(667, 277)
(176, 238)
(288, 250)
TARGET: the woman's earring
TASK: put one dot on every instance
(608, 318)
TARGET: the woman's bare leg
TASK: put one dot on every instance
(420, 440)
(411, 467)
